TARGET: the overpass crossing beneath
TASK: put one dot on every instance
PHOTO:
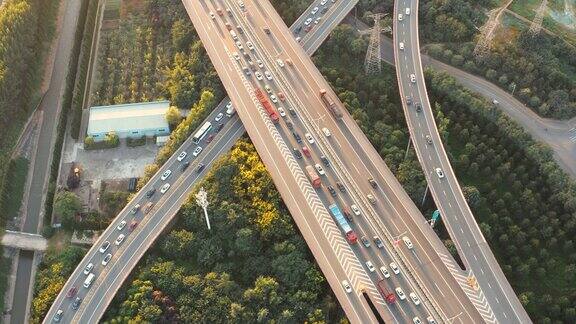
(24, 241)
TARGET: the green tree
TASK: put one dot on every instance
(66, 206)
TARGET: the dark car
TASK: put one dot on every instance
(340, 186)
(200, 167)
(184, 166)
(297, 137)
(373, 183)
(219, 128)
(418, 107)
(331, 190)
(298, 29)
(150, 192)
(325, 160)
(347, 214)
(297, 153)
(76, 303)
(408, 100)
(240, 30)
(323, 11)
(210, 138)
(267, 30)
(289, 124)
(292, 111)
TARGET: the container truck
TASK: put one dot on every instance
(330, 104)
(390, 297)
(313, 176)
(267, 105)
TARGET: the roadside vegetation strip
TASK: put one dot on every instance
(63, 121)
(5, 267)
(13, 191)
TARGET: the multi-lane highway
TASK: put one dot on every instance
(138, 241)
(423, 269)
(497, 301)
(300, 83)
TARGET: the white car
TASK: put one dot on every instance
(408, 243)
(370, 266)
(326, 132)
(182, 155)
(120, 239)
(134, 209)
(394, 268)
(268, 89)
(355, 210)
(400, 17)
(415, 298)
(412, 78)
(431, 320)
(239, 45)
(165, 175)
(212, 15)
(281, 112)
(346, 286)
(273, 98)
(121, 225)
(416, 320)
(320, 169)
(219, 117)
(107, 259)
(317, 20)
(323, 2)
(258, 76)
(197, 151)
(268, 75)
(260, 64)
(165, 188)
(280, 63)
(439, 173)
(250, 45)
(314, 11)
(88, 268)
(309, 138)
(308, 21)
(236, 56)
(407, 11)
(401, 45)
(104, 247)
(241, 4)
(385, 272)
(400, 293)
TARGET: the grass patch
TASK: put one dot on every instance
(5, 265)
(14, 188)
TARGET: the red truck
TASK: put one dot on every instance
(390, 297)
(267, 105)
(330, 104)
(313, 176)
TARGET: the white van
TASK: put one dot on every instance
(234, 36)
(89, 280)
(230, 111)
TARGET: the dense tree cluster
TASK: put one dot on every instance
(26, 26)
(253, 266)
(153, 55)
(538, 69)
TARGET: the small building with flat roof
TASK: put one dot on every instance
(129, 120)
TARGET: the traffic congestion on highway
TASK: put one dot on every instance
(277, 75)
(355, 187)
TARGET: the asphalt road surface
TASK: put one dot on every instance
(498, 300)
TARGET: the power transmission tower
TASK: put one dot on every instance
(372, 63)
(537, 22)
(488, 31)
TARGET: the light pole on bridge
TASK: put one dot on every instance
(202, 201)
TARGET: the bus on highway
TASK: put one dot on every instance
(202, 132)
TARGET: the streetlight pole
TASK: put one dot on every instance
(202, 201)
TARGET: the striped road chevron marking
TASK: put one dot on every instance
(572, 134)
(355, 271)
(476, 296)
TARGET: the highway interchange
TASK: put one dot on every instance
(393, 210)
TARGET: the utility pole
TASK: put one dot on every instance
(425, 194)
(202, 201)
(407, 148)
